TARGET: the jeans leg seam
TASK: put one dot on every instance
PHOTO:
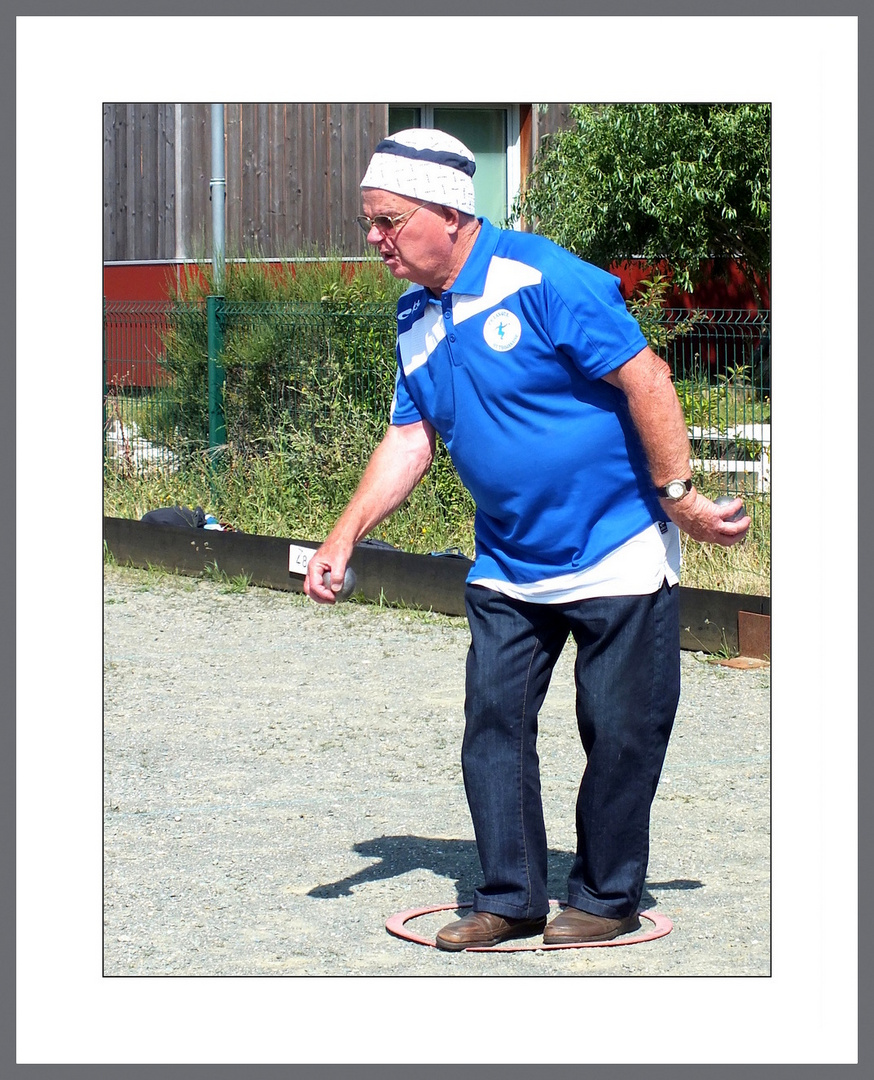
(522, 771)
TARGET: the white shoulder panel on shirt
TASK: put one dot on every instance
(504, 277)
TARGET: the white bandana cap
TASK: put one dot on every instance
(426, 164)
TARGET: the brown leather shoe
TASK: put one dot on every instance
(482, 929)
(573, 927)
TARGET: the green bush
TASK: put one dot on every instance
(300, 339)
(688, 182)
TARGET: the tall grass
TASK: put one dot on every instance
(744, 568)
(297, 486)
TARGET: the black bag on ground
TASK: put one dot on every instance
(176, 515)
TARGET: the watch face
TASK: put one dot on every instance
(676, 489)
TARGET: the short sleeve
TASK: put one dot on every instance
(588, 319)
(403, 409)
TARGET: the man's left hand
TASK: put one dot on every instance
(706, 522)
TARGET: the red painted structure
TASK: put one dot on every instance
(139, 281)
(154, 281)
(134, 355)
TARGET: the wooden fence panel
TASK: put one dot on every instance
(292, 176)
(551, 117)
(114, 218)
(194, 239)
(139, 182)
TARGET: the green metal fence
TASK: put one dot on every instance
(141, 396)
(721, 362)
(182, 380)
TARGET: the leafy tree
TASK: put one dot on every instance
(685, 183)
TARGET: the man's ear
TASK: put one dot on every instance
(452, 218)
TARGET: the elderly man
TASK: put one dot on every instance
(567, 431)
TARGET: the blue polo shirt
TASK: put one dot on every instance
(507, 366)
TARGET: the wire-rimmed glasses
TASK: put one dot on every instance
(383, 222)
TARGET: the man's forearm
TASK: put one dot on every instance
(658, 417)
(657, 414)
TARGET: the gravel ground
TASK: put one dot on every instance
(281, 778)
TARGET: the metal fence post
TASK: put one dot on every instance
(218, 434)
(105, 390)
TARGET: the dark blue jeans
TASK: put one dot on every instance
(628, 685)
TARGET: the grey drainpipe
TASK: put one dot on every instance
(217, 195)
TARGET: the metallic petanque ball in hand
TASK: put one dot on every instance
(349, 581)
(724, 500)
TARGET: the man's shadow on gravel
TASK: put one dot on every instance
(456, 859)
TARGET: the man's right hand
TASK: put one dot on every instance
(328, 559)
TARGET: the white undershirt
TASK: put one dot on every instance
(637, 568)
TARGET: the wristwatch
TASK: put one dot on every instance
(674, 490)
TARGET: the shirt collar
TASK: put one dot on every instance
(471, 280)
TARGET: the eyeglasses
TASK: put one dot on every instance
(384, 223)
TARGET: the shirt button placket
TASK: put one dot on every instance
(447, 316)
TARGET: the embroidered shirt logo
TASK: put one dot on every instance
(502, 330)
